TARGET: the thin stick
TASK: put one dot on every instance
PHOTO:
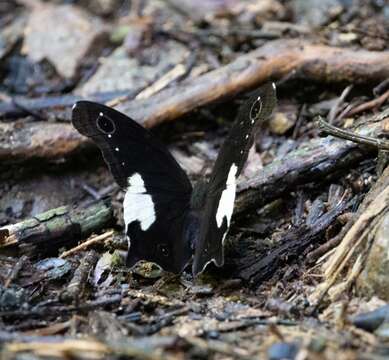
(348, 135)
(381, 87)
(87, 243)
(172, 75)
(335, 109)
(15, 271)
(375, 103)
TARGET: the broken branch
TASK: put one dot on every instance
(48, 231)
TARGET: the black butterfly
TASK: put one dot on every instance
(167, 221)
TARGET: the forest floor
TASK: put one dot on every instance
(307, 252)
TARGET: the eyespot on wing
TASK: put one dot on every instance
(256, 108)
(105, 124)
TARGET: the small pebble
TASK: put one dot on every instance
(371, 320)
(213, 334)
(282, 351)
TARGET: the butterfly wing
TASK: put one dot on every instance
(157, 198)
(222, 184)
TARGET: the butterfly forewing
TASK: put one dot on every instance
(233, 154)
(127, 146)
(157, 198)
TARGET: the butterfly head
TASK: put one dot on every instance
(170, 257)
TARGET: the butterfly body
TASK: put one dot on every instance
(168, 221)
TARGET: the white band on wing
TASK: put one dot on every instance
(226, 203)
(138, 205)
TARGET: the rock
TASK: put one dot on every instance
(254, 11)
(280, 123)
(192, 165)
(243, 11)
(34, 195)
(102, 276)
(374, 279)
(106, 325)
(317, 12)
(253, 164)
(53, 268)
(284, 119)
(12, 298)
(371, 320)
(119, 71)
(376, 31)
(383, 330)
(385, 12)
(10, 34)
(64, 35)
(213, 334)
(104, 7)
(282, 351)
(347, 38)
(201, 290)
(139, 34)
(318, 344)
(205, 9)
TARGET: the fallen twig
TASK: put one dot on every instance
(83, 246)
(372, 104)
(330, 244)
(76, 286)
(158, 299)
(15, 271)
(334, 110)
(348, 135)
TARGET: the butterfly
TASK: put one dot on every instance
(167, 221)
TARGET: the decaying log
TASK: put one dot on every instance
(49, 231)
(275, 60)
(254, 268)
(314, 160)
(40, 140)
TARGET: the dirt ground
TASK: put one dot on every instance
(306, 258)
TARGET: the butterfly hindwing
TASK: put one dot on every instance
(157, 198)
(217, 213)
